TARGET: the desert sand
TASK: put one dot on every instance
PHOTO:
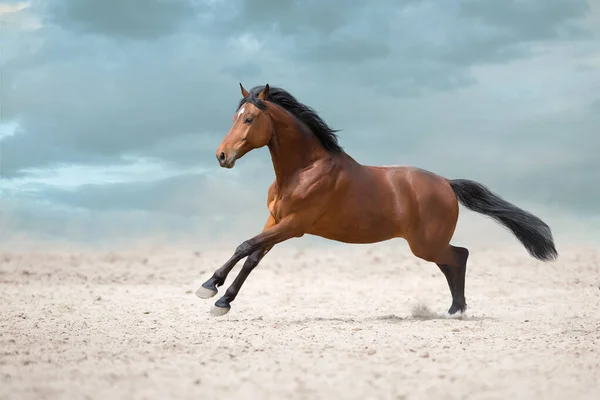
(339, 322)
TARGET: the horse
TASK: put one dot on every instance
(321, 190)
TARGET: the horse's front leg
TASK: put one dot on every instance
(223, 305)
(256, 248)
(209, 288)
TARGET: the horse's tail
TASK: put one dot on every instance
(531, 231)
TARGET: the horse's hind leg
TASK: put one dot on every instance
(455, 273)
(449, 274)
(452, 261)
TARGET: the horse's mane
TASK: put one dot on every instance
(307, 115)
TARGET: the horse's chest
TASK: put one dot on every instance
(279, 208)
(275, 208)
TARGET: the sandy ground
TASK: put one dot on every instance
(351, 322)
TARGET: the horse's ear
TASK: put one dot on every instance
(244, 91)
(264, 93)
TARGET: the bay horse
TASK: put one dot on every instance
(321, 190)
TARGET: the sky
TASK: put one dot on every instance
(111, 111)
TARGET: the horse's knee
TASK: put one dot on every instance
(244, 248)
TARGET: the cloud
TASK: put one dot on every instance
(530, 20)
(145, 185)
(74, 176)
(503, 93)
(86, 106)
(16, 17)
(130, 19)
(35, 221)
(200, 206)
(94, 98)
(412, 45)
(13, 8)
(8, 129)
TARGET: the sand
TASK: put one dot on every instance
(344, 322)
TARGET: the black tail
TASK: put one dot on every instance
(534, 233)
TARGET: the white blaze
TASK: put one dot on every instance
(241, 111)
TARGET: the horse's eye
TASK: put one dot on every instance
(248, 120)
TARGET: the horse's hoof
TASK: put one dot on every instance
(457, 310)
(217, 311)
(205, 293)
(456, 315)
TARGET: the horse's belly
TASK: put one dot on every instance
(355, 237)
(362, 226)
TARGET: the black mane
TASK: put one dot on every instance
(307, 115)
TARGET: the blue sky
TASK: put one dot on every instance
(112, 110)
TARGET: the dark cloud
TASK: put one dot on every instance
(90, 107)
(293, 17)
(528, 20)
(410, 45)
(80, 97)
(135, 19)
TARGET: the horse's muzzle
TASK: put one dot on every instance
(226, 161)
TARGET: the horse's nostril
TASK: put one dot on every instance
(222, 156)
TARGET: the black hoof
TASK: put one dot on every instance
(457, 308)
(223, 303)
(210, 285)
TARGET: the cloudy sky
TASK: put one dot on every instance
(112, 110)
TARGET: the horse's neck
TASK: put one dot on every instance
(293, 147)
